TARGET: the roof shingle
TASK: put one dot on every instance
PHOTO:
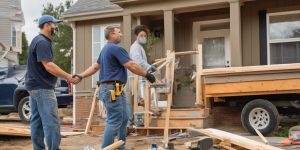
(82, 6)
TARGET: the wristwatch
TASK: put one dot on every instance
(77, 75)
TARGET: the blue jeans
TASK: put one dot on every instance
(44, 120)
(117, 116)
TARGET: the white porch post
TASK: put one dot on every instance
(235, 33)
(169, 29)
(74, 71)
(127, 25)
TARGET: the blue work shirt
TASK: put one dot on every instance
(111, 59)
(37, 77)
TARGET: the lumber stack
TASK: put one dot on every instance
(229, 140)
(14, 131)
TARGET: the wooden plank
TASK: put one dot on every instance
(114, 146)
(192, 112)
(161, 66)
(161, 128)
(249, 69)
(261, 136)
(183, 53)
(169, 75)
(253, 87)
(159, 61)
(14, 131)
(250, 77)
(65, 134)
(147, 105)
(199, 98)
(235, 139)
(88, 125)
(180, 122)
(135, 93)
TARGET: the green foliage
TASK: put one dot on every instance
(150, 41)
(23, 56)
(283, 132)
(62, 45)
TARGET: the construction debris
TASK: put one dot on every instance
(228, 140)
(203, 143)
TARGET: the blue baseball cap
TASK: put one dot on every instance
(47, 18)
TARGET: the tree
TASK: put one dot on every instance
(62, 45)
(23, 56)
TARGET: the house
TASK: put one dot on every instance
(11, 22)
(233, 33)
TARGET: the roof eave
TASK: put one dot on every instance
(86, 14)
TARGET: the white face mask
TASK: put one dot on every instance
(142, 40)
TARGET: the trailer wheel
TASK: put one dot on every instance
(261, 115)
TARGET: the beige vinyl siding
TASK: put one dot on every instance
(250, 25)
(84, 51)
(8, 19)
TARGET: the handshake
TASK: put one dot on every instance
(75, 79)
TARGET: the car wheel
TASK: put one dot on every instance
(261, 115)
(24, 110)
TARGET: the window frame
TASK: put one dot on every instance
(269, 41)
(13, 44)
(102, 42)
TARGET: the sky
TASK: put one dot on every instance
(32, 10)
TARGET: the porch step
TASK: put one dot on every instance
(185, 113)
(181, 122)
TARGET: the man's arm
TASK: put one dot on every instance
(135, 68)
(56, 71)
(90, 71)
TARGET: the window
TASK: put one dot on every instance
(98, 42)
(283, 37)
(13, 36)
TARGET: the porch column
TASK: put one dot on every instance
(235, 33)
(169, 29)
(127, 23)
(73, 70)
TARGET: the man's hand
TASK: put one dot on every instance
(150, 77)
(69, 78)
(76, 79)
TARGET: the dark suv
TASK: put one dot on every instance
(15, 98)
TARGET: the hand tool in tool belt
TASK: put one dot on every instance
(119, 89)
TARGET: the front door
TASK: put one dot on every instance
(214, 37)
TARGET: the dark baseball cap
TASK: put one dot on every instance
(47, 18)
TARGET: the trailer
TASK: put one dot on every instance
(259, 89)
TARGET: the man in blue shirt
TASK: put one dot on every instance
(40, 80)
(112, 62)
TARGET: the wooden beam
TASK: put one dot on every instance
(14, 131)
(249, 69)
(147, 105)
(186, 53)
(253, 87)
(199, 93)
(135, 93)
(235, 139)
(170, 76)
(88, 125)
(261, 136)
(115, 145)
(251, 77)
(159, 61)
